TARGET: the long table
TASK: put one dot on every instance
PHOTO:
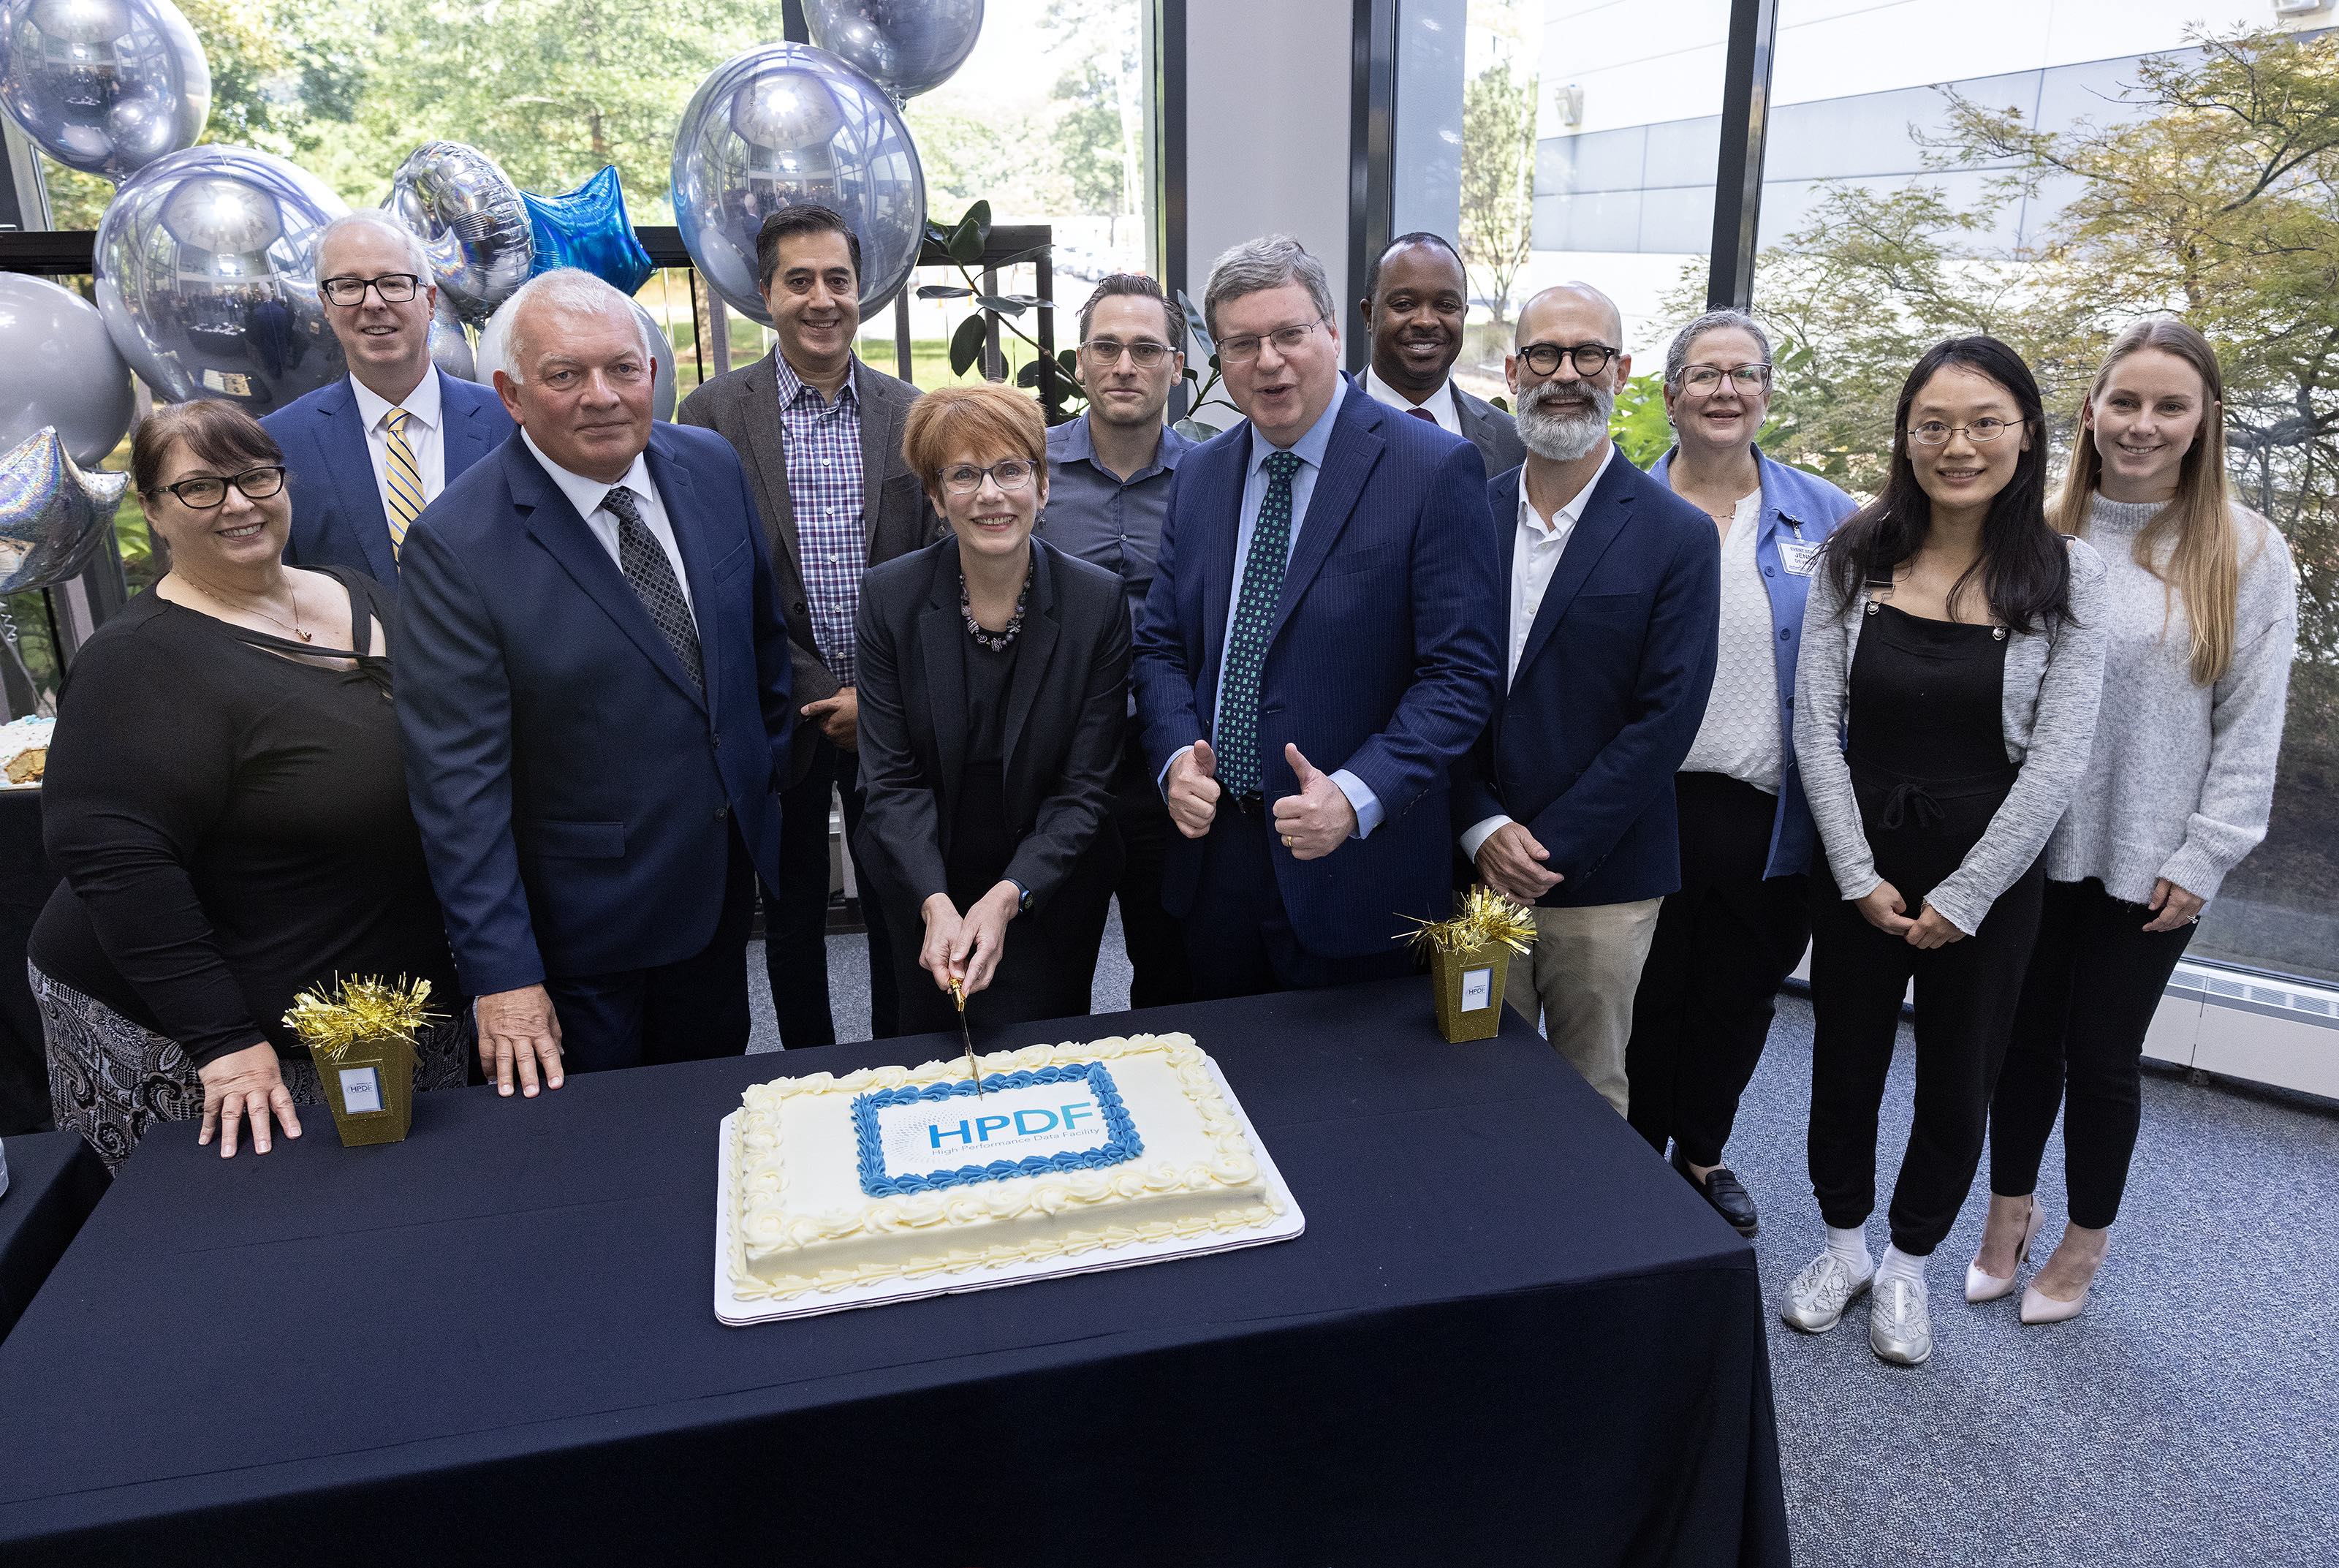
(1510, 1334)
(54, 1180)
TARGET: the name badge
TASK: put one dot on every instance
(1799, 558)
(360, 1091)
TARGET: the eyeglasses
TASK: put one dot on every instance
(1244, 348)
(1007, 474)
(1981, 432)
(395, 289)
(1706, 379)
(1590, 358)
(204, 493)
(1144, 353)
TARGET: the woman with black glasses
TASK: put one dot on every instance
(994, 689)
(1952, 657)
(226, 804)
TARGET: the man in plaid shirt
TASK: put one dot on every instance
(821, 436)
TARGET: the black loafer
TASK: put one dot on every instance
(1723, 1190)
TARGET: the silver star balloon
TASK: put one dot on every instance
(52, 512)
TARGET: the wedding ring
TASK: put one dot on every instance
(1287, 841)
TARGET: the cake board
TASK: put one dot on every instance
(735, 1312)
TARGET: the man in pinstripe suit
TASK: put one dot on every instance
(1319, 643)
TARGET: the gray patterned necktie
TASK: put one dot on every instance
(644, 561)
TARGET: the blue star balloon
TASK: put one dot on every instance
(587, 228)
(53, 514)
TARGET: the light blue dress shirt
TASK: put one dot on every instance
(1309, 449)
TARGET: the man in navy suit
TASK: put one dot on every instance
(1318, 647)
(593, 690)
(368, 453)
(1612, 584)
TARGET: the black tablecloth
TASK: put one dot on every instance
(25, 883)
(54, 1182)
(1508, 1335)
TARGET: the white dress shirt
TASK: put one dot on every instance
(586, 495)
(1739, 736)
(1536, 548)
(1442, 405)
(422, 435)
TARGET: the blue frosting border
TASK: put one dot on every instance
(1122, 1143)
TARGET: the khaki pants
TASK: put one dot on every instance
(1580, 977)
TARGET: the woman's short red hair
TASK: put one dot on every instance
(985, 421)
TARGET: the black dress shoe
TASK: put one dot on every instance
(1725, 1192)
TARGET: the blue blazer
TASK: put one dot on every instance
(575, 792)
(1384, 657)
(1610, 690)
(1799, 510)
(337, 518)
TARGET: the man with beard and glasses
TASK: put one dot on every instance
(1415, 297)
(1611, 582)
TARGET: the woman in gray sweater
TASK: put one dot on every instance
(1951, 662)
(2201, 613)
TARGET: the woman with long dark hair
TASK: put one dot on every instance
(2201, 614)
(1952, 658)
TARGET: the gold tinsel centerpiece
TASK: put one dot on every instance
(1485, 919)
(366, 1010)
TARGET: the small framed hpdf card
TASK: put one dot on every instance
(360, 1091)
(1477, 988)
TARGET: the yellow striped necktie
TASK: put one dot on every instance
(405, 477)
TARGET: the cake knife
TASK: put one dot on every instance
(958, 995)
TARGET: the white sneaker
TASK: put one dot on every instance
(1817, 1296)
(1901, 1323)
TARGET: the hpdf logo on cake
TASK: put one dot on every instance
(1009, 1124)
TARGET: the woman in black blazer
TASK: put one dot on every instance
(993, 688)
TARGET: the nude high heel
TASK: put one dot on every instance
(2040, 1307)
(1981, 1286)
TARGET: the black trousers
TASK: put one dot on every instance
(1722, 945)
(687, 1010)
(2096, 977)
(1238, 937)
(1045, 970)
(795, 916)
(1158, 971)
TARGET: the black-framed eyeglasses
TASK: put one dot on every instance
(1007, 474)
(1704, 380)
(206, 491)
(1590, 358)
(1143, 352)
(1244, 348)
(1981, 432)
(395, 289)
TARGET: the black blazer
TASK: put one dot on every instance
(1065, 708)
(743, 407)
(1494, 432)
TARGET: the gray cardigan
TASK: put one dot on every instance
(2054, 678)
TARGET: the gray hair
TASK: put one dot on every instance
(1269, 262)
(501, 342)
(1677, 357)
(383, 223)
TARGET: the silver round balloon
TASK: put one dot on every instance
(53, 515)
(450, 351)
(786, 124)
(104, 86)
(58, 366)
(905, 47)
(494, 353)
(207, 277)
(470, 219)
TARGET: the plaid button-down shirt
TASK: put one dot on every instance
(823, 461)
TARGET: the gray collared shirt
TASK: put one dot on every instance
(1110, 522)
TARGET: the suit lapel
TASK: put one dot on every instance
(553, 523)
(941, 630)
(880, 440)
(764, 451)
(1039, 640)
(1218, 514)
(1605, 517)
(683, 516)
(1348, 461)
(465, 435)
(340, 435)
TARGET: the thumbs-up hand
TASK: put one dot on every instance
(1318, 819)
(1191, 791)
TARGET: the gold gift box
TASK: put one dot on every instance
(362, 1040)
(1457, 977)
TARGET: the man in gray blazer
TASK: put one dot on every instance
(821, 436)
(1415, 297)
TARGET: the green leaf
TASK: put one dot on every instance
(944, 291)
(1005, 305)
(966, 345)
(1500, 402)
(1194, 429)
(1194, 324)
(971, 237)
(1069, 360)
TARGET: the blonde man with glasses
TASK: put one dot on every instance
(367, 453)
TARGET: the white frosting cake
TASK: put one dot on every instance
(906, 1173)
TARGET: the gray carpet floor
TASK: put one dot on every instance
(2189, 1416)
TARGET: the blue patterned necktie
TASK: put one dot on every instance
(1262, 589)
(644, 562)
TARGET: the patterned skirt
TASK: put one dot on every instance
(109, 1078)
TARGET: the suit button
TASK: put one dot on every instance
(721, 811)
(718, 742)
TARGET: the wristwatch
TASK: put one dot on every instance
(1023, 895)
